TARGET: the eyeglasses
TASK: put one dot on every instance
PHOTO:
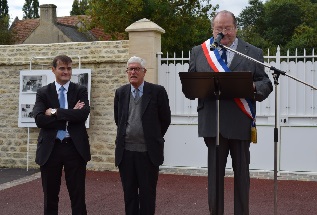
(224, 30)
(136, 69)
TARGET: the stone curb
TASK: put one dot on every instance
(20, 181)
(257, 174)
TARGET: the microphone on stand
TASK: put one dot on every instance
(216, 42)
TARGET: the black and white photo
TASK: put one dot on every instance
(26, 112)
(81, 79)
(30, 83)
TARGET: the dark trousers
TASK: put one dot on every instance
(139, 179)
(64, 155)
(217, 160)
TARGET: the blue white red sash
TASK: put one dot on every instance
(218, 65)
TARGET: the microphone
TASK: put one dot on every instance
(216, 42)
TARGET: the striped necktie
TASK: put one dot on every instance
(137, 94)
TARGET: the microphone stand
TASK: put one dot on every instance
(276, 74)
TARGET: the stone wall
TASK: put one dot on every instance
(107, 61)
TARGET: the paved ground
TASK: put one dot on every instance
(181, 191)
(12, 174)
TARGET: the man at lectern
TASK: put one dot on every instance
(236, 120)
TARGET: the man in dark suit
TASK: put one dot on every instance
(142, 115)
(61, 109)
(236, 121)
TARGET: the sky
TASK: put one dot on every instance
(65, 6)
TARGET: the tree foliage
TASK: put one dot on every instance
(251, 15)
(4, 8)
(186, 22)
(30, 9)
(79, 7)
(6, 37)
(75, 8)
(35, 6)
(290, 24)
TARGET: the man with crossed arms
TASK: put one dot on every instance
(61, 110)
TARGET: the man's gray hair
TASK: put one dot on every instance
(136, 59)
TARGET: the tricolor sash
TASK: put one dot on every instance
(218, 65)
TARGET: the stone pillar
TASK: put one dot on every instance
(145, 42)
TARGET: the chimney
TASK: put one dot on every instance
(48, 13)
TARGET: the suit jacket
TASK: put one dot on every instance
(234, 124)
(47, 97)
(156, 118)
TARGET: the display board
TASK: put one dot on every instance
(32, 80)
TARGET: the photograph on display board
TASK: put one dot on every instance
(31, 83)
(26, 113)
(81, 79)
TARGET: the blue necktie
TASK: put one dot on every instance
(61, 133)
(224, 55)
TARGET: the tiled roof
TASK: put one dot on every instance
(23, 28)
(99, 34)
(71, 20)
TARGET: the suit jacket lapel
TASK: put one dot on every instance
(146, 97)
(237, 59)
(53, 94)
(126, 100)
(71, 96)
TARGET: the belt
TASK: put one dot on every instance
(66, 140)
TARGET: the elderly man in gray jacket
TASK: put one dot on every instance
(236, 120)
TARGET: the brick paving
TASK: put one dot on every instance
(257, 174)
(178, 193)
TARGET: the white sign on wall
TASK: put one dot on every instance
(32, 80)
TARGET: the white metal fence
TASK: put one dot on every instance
(296, 116)
(295, 100)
